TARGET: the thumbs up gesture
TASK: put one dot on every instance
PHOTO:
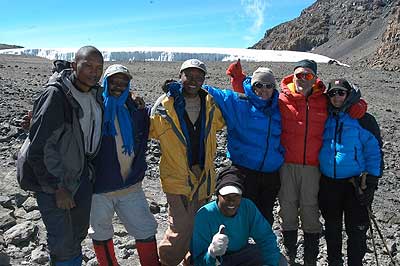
(219, 243)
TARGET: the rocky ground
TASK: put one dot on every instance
(22, 234)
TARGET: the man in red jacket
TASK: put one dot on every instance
(303, 107)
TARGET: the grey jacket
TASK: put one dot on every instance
(56, 154)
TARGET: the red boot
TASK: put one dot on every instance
(147, 250)
(105, 252)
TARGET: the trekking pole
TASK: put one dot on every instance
(363, 185)
(359, 189)
(373, 240)
(372, 217)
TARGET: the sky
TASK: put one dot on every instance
(136, 23)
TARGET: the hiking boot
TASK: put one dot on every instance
(311, 248)
(290, 244)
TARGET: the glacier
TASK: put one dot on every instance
(129, 54)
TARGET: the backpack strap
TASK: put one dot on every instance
(368, 122)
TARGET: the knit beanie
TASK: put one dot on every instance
(307, 63)
(263, 75)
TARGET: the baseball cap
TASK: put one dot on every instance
(230, 189)
(339, 84)
(115, 69)
(193, 63)
(229, 180)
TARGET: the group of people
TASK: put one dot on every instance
(314, 148)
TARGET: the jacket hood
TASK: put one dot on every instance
(67, 76)
(264, 106)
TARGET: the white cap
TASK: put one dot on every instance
(230, 190)
(115, 69)
(193, 63)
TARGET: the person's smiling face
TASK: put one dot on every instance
(229, 204)
(117, 83)
(88, 71)
(304, 79)
(192, 80)
(337, 97)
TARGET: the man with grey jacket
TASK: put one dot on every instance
(65, 136)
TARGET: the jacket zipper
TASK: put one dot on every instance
(267, 147)
(334, 158)
(306, 133)
(91, 137)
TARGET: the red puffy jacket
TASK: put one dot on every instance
(303, 122)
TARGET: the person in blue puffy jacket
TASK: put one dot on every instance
(254, 128)
(350, 163)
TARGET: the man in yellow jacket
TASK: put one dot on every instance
(185, 121)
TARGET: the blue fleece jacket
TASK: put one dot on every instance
(348, 149)
(254, 128)
(107, 167)
(248, 222)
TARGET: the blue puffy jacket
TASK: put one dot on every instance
(348, 149)
(254, 127)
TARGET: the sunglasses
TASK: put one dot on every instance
(339, 92)
(305, 75)
(260, 85)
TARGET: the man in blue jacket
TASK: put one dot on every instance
(120, 167)
(350, 163)
(254, 128)
(222, 228)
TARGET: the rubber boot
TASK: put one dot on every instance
(290, 243)
(311, 248)
(147, 250)
(105, 252)
(77, 261)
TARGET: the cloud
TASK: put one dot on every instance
(254, 10)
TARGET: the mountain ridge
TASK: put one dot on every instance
(8, 46)
(357, 32)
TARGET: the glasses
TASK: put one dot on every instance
(332, 93)
(305, 75)
(260, 85)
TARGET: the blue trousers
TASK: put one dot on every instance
(66, 229)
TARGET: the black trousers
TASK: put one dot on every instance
(337, 197)
(262, 189)
(66, 229)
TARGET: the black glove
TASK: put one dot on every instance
(164, 87)
(366, 196)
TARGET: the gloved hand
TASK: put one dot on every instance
(26, 120)
(165, 84)
(237, 76)
(366, 195)
(358, 110)
(219, 243)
